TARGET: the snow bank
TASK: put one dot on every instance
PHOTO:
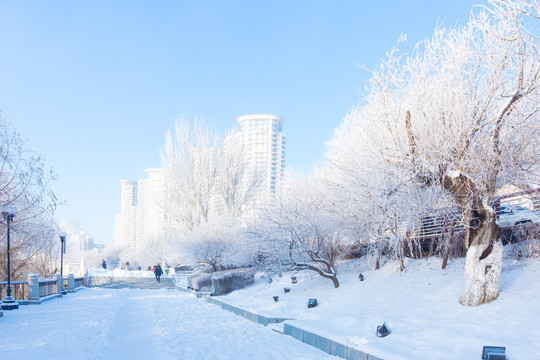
(420, 305)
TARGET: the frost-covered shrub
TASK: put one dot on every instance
(201, 281)
(524, 249)
(225, 282)
(221, 243)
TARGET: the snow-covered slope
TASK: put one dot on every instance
(420, 305)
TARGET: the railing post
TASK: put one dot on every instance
(71, 283)
(58, 283)
(33, 287)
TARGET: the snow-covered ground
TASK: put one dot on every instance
(420, 305)
(139, 324)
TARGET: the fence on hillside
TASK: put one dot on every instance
(511, 210)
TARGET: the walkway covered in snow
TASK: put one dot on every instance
(99, 323)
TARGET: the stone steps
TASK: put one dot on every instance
(131, 282)
(181, 278)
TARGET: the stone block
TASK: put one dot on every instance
(295, 332)
(338, 349)
(33, 287)
(238, 311)
(262, 320)
(251, 316)
(59, 284)
(310, 339)
(323, 344)
(353, 354)
(71, 283)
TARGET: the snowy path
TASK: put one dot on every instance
(140, 324)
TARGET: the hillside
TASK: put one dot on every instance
(420, 305)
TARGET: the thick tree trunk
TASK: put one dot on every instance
(483, 267)
(484, 250)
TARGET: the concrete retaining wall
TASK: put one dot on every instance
(326, 345)
(259, 319)
(320, 342)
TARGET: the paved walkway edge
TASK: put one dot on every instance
(320, 342)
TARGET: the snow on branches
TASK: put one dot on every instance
(456, 114)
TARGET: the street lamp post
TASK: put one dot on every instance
(8, 212)
(62, 236)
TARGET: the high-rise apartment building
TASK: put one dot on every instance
(127, 219)
(264, 146)
(150, 208)
(142, 217)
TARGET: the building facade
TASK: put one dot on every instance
(264, 145)
(127, 218)
(150, 208)
(142, 214)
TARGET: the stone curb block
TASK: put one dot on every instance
(326, 345)
(259, 319)
(320, 342)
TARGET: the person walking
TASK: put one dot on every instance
(104, 264)
(158, 272)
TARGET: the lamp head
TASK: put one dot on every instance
(9, 211)
(62, 234)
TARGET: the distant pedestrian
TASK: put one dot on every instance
(158, 272)
(104, 264)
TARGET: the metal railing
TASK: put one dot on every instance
(518, 208)
(511, 210)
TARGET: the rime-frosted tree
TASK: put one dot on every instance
(299, 229)
(206, 180)
(24, 184)
(461, 113)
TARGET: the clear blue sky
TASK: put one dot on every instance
(95, 85)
